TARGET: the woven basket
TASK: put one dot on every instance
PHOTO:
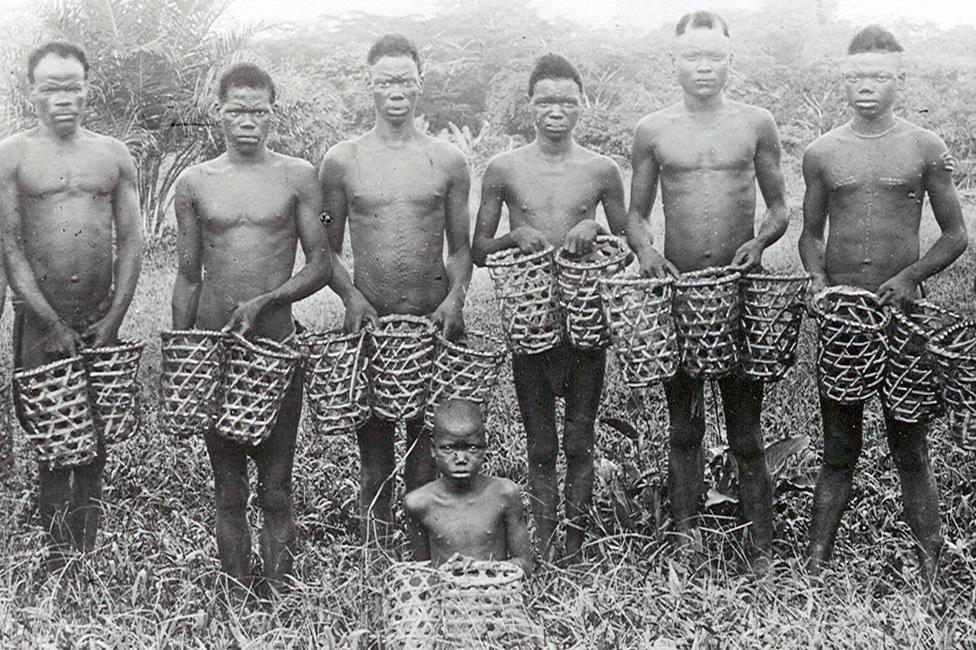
(771, 311)
(525, 289)
(57, 414)
(189, 379)
(911, 390)
(256, 377)
(853, 346)
(641, 326)
(411, 606)
(706, 313)
(954, 349)
(336, 381)
(578, 290)
(466, 369)
(402, 356)
(113, 377)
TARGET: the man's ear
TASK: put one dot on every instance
(367, 81)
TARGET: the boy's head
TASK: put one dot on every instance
(394, 77)
(555, 96)
(245, 96)
(872, 71)
(702, 54)
(458, 439)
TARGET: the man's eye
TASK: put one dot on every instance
(261, 112)
(881, 78)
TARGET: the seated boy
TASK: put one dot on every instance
(464, 512)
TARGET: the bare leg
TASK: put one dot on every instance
(686, 463)
(418, 466)
(377, 465)
(54, 498)
(86, 502)
(229, 463)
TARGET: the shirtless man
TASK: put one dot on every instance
(239, 218)
(868, 179)
(708, 153)
(401, 192)
(64, 193)
(465, 512)
(552, 187)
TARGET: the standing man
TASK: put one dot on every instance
(709, 152)
(239, 218)
(552, 187)
(401, 192)
(868, 179)
(65, 192)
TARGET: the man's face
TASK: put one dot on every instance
(459, 450)
(555, 106)
(395, 84)
(246, 118)
(872, 81)
(702, 59)
(59, 92)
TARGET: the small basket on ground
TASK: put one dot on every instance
(56, 412)
(113, 377)
(853, 348)
(411, 606)
(525, 289)
(401, 364)
(641, 327)
(911, 389)
(256, 377)
(578, 290)
(954, 349)
(771, 311)
(336, 381)
(189, 381)
(465, 369)
(706, 314)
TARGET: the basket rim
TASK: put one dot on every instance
(266, 347)
(498, 351)
(636, 280)
(939, 350)
(904, 319)
(193, 332)
(565, 261)
(513, 256)
(21, 374)
(776, 277)
(849, 290)
(124, 345)
(429, 326)
(511, 571)
(337, 334)
(711, 275)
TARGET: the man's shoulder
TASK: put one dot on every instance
(344, 150)
(291, 165)
(823, 144)
(442, 151)
(504, 487)
(418, 500)
(930, 141)
(13, 146)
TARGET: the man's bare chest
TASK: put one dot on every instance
(374, 186)
(45, 174)
(226, 204)
(683, 150)
(554, 193)
(851, 172)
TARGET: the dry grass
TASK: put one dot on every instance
(152, 582)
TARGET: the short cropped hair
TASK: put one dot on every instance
(245, 75)
(393, 45)
(63, 49)
(701, 20)
(874, 38)
(554, 66)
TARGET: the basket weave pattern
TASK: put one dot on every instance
(57, 413)
(411, 606)
(853, 347)
(706, 312)
(911, 390)
(401, 364)
(578, 291)
(525, 290)
(467, 369)
(336, 381)
(641, 326)
(772, 310)
(256, 377)
(954, 349)
(113, 378)
(189, 378)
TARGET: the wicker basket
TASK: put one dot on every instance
(336, 381)
(641, 325)
(706, 313)
(578, 290)
(853, 347)
(466, 369)
(113, 378)
(57, 414)
(771, 312)
(402, 356)
(525, 289)
(911, 390)
(954, 349)
(411, 606)
(189, 378)
(256, 377)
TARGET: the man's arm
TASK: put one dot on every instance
(937, 181)
(579, 240)
(417, 540)
(317, 270)
(643, 191)
(769, 174)
(332, 181)
(449, 315)
(61, 340)
(186, 289)
(484, 242)
(811, 244)
(128, 251)
(516, 531)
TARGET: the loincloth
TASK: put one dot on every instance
(564, 368)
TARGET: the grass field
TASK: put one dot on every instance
(151, 581)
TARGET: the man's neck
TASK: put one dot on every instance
(256, 157)
(60, 137)
(874, 125)
(395, 133)
(459, 486)
(554, 148)
(704, 105)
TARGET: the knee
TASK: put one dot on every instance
(231, 501)
(841, 456)
(275, 500)
(685, 436)
(578, 448)
(908, 453)
(542, 453)
(747, 448)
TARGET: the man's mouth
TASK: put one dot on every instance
(63, 117)
(866, 103)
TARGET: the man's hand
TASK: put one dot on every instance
(817, 284)
(359, 313)
(897, 291)
(749, 255)
(654, 265)
(579, 240)
(529, 240)
(103, 332)
(449, 318)
(245, 317)
(61, 341)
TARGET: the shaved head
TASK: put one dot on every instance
(458, 417)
